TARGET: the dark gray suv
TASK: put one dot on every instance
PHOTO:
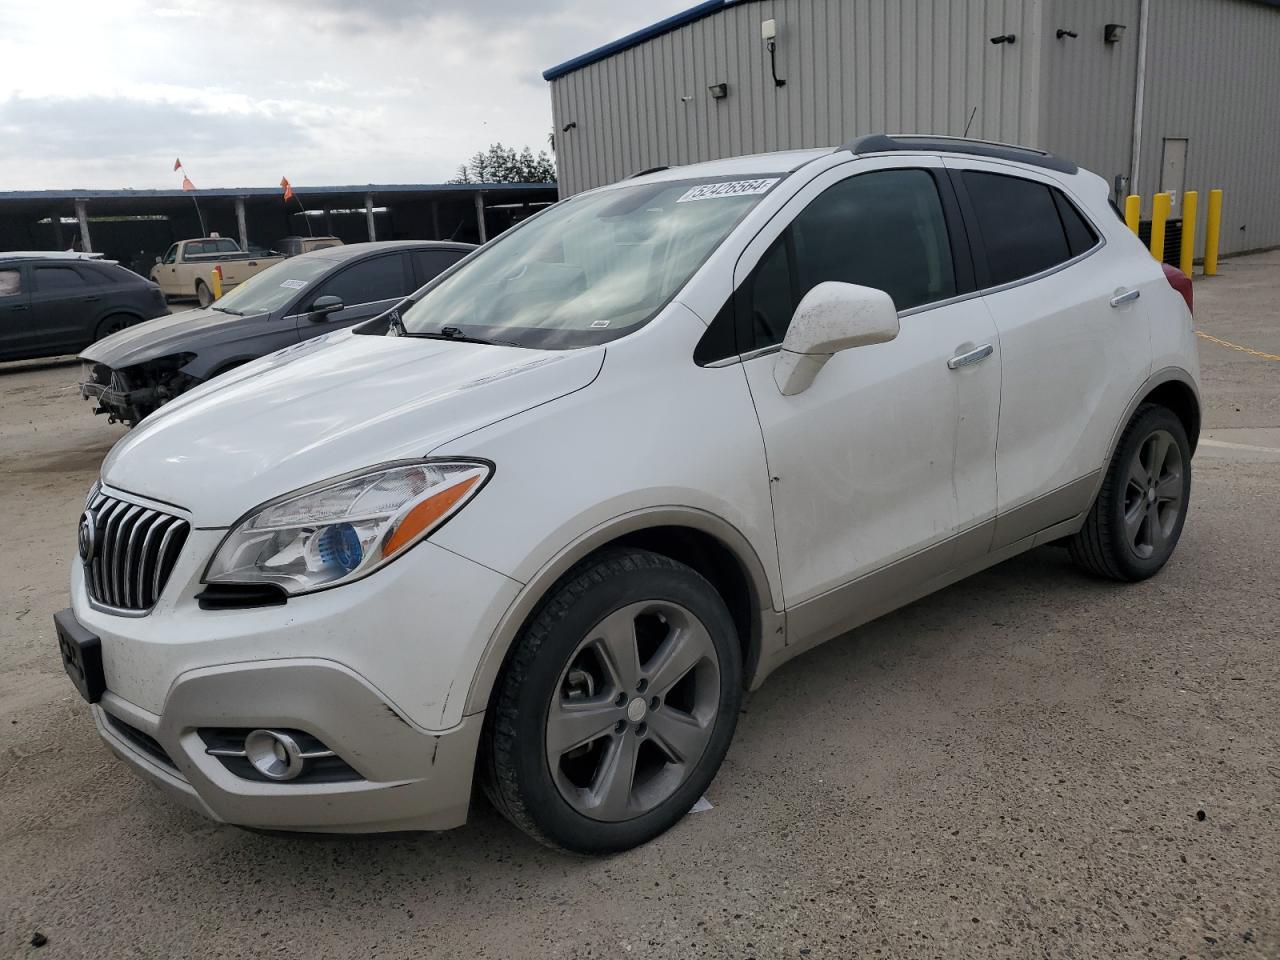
(137, 370)
(56, 303)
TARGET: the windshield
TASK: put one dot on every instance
(273, 287)
(590, 269)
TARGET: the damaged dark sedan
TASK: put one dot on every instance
(134, 372)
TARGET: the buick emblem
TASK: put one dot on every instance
(87, 536)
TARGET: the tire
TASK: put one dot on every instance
(203, 294)
(558, 687)
(1135, 523)
(111, 324)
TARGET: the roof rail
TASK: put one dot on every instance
(889, 143)
(641, 173)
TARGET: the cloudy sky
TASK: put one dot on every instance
(106, 93)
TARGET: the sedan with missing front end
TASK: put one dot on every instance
(134, 372)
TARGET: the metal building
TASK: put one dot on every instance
(1151, 94)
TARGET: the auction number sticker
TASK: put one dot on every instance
(729, 188)
(294, 284)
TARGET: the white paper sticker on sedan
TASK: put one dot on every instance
(728, 188)
(294, 284)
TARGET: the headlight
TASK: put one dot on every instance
(344, 529)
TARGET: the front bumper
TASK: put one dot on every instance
(377, 669)
(408, 779)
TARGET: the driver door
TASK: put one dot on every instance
(366, 289)
(883, 470)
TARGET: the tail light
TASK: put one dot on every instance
(1180, 282)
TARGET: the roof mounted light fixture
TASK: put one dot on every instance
(1113, 33)
(1005, 38)
(1067, 33)
(718, 91)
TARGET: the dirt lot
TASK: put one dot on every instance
(1030, 764)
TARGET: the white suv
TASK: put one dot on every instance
(544, 523)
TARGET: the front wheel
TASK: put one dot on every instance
(617, 706)
(1137, 519)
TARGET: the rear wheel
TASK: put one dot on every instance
(617, 706)
(1137, 519)
(203, 293)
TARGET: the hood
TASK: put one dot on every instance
(328, 406)
(162, 337)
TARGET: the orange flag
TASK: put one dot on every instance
(288, 190)
(186, 183)
(177, 165)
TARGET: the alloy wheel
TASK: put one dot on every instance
(1153, 494)
(633, 711)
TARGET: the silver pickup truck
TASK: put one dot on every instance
(186, 269)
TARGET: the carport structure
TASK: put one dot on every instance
(135, 226)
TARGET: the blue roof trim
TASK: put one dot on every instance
(672, 22)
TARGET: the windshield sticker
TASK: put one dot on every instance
(597, 324)
(294, 284)
(731, 188)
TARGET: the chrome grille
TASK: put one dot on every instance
(128, 552)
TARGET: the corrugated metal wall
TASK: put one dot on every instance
(851, 66)
(1089, 85)
(1213, 77)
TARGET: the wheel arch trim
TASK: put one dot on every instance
(1158, 379)
(767, 622)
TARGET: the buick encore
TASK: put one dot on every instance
(544, 523)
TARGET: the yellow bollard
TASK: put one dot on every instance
(1190, 200)
(1133, 212)
(1212, 233)
(217, 282)
(1160, 206)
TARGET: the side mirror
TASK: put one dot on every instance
(324, 306)
(157, 259)
(832, 317)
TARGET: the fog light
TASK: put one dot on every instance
(275, 755)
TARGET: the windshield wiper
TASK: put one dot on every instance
(234, 313)
(453, 333)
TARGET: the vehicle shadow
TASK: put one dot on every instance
(852, 677)
(34, 366)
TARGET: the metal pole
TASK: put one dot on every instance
(368, 216)
(1139, 93)
(57, 229)
(240, 223)
(82, 214)
(435, 220)
(479, 200)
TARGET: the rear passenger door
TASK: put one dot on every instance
(886, 463)
(15, 311)
(1071, 360)
(64, 304)
(366, 289)
(429, 264)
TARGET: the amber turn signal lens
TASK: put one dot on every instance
(426, 515)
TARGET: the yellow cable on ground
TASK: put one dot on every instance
(1236, 346)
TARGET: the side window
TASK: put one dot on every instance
(381, 278)
(10, 283)
(884, 229)
(224, 245)
(431, 263)
(58, 278)
(1020, 226)
(1080, 235)
(171, 255)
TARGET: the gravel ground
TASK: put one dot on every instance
(1029, 764)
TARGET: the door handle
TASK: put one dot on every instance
(1120, 299)
(973, 356)
(91, 299)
